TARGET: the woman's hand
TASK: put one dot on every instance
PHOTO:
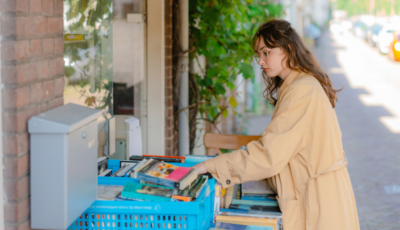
(201, 168)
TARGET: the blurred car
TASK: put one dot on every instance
(394, 48)
(373, 33)
(360, 30)
(385, 37)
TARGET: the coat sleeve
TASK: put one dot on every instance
(282, 140)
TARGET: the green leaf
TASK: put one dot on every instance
(225, 113)
(233, 102)
(246, 70)
(219, 88)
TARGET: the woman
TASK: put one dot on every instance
(300, 151)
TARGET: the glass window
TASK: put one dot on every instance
(103, 58)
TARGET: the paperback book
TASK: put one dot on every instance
(249, 220)
(147, 192)
(167, 174)
(193, 191)
(260, 187)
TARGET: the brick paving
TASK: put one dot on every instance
(372, 148)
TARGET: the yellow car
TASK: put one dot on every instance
(394, 48)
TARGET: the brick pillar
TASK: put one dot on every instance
(170, 148)
(32, 66)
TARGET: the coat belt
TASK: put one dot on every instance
(335, 166)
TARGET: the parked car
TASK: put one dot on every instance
(385, 37)
(394, 48)
(372, 34)
(360, 30)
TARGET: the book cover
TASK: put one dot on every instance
(108, 192)
(147, 192)
(198, 186)
(167, 174)
(256, 187)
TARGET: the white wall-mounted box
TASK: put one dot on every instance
(63, 161)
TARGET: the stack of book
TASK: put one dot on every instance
(251, 205)
(160, 181)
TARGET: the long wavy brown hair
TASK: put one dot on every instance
(279, 33)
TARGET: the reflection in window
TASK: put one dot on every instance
(88, 56)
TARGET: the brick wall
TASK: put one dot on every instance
(32, 69)
(170, 132)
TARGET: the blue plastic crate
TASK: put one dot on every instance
(116, 215)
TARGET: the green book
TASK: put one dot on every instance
(147, 192)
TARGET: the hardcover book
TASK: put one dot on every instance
(167, 174)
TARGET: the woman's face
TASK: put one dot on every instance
(272, 61)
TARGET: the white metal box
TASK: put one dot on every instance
(63, 165)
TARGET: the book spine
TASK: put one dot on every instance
(168, 183)
(150, 166)
(258, 203)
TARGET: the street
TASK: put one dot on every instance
(369, 116)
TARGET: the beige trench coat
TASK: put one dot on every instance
(301, 153)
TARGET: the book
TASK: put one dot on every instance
(120, 198)
(248, 220)
(171, 159)
(272, 203)
(255, 207)
(147, 192)
(182, 198)
(192, 191)
(258, 198)
(119, 170)
(195, 159)
(229, 196)
(256, 187)
(217, 199)
(137, 167)
(236, 192)
(220, 225)
(127, 167)
(167, 174)
(249, 213)
(108, 192)
(198, 186)
(238, 199)
(107, 172)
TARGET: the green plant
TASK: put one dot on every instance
(222, 31)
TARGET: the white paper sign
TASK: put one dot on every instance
(135, 137)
